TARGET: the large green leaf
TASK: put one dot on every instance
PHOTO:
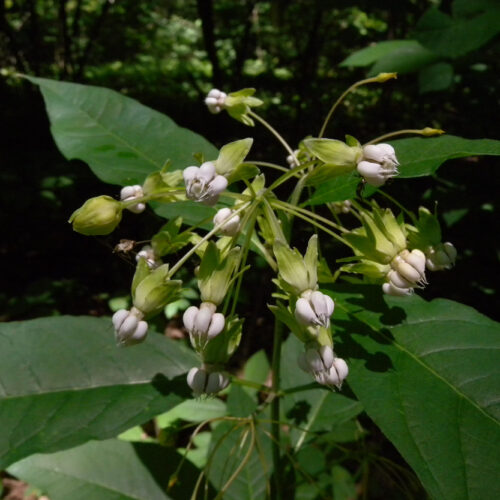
(454, 37)
(339, 188)
(63, 381)
(422, 156)
(428, 374)
(108, 470)
(121, 140)
(316, 409)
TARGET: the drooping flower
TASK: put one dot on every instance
(206, 383)
(314, 309)
(129, 327)
(203, 324)
(203, 184)
(232, 226)
(322, 363)
(129, 193)
(407, 272)
(215, 101)
(378, 164)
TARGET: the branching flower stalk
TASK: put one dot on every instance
(382, 248)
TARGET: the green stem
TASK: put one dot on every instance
(275, 133)
(275, 409)
(425, 132)
(269, 165)
(341, 98)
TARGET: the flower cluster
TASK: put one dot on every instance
(378, 164)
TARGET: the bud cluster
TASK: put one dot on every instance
(326, 368)
(378, 164)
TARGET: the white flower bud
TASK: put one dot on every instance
(381, 153)
(204, 383)
(215, 101)
(203, 324)
(441, 257)
(374, 173)
(335, 375)
(129, 193)
(316, 360)
(314, 309)
(232, 226)
(129, 327)
(203, 184)
(411, 266)
(293, 162)
(149, 255)
(391, 289)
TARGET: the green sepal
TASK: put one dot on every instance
(161, 181)
(142, 270)
(243, 171)
(426, 232)
(368, 268)
(325, 172)
(232, 155)
(155, 291)
(334, 152)
(97, 216)
(221, 348)
(216, 273)
(168, 240)
(283, 314)
(238, 105)
(298, 273)
(352, 141)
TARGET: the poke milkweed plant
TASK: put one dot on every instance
(347, 312)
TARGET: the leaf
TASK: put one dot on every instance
(105, 470)
(338, 189)
(313, 410)
(228, 449)
(194, 410)
(404, 60)
(120, 139)
(422, 156)
(231, 155)
(435, 77)
(373, 53)
(428, 373)
(239, 402)
(455, 37)
(63, 381)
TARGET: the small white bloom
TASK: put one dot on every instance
(293, 162)
(203, 324)
(215, 101)
(129, 327)
(441, 257)
(129, 193)
(205, 383)
(314, 309)
(316, 360)
(335, 375)
(232, 226)
(381, 153)
(203, 184)
(391, 289)
(378, 164)
(411, 266)
(149, 255)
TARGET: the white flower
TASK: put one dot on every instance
(232, 226)
(293, 161)
(378, 164)
(203, 324)
(129, 193)
(205, 383)
(203, 184)
(149, 255)
(215, 101)
(315, 360)
(335, 375)
(314, 309)
(408, 272)
(129, 327)
(441, 257)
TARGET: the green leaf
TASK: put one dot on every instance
(455, 37)
(428, 374)
(373, 53)
(194, 410)
(232, 155)
(313, 410)
(121, 140)
(239, 402)
(338, 189)
(404, 60)
(229, 447)
(420, 156)
(106, 470)
(435, 77)
(63, 381)
(344, 486)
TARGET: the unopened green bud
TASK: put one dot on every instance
(428, 131)
(383, 77)
(97, 216)
(155, 291)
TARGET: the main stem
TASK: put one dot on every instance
(275, 409)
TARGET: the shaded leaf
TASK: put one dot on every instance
(63, 381)
(373, 53)
(435, 77)
(337, 189)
